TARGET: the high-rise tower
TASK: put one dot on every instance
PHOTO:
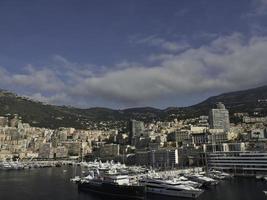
(219, 118)
(136, 130)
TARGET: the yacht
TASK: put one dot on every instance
(206, 181)
(117, 186)
(76, 179)
(217, 175)
(5, 165)
(170, 188)
(187, 182)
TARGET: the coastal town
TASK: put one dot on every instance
(175, 158)
(195, 142)
(126, 99)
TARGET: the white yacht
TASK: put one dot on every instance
(5, 165)
(206, 181)
(76, 179)
(118, 186)
(170, 188)
(187, 182)
(16, 165)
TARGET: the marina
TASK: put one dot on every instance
(112, 179)
(52, 183)
(20, 165)
(133, 100)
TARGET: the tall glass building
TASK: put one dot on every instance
(219, 118)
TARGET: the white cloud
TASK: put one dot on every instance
(39, 79)
(227, 63)
(60, 98)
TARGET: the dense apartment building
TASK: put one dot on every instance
(238, 158)
(239, 162)
(161, 158)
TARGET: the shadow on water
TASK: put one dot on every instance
(84, 195)
(161, 197)
(98, 196)
(148, 197)
(239, 188)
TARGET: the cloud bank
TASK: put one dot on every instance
(227, 63)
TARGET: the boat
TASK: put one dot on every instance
(76, 179)
(11, 165)
(206, 181)
(5, 166)
(220, 174)
(259, 177)
(170, 188)
(117, 186)
(16, 165)
(190, 183)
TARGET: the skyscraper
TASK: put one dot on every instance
(136, 130)
(219, 118)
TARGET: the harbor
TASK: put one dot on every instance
(54, 183)
(125, 99)
(190, 183)
(29, 164)
(113, 179)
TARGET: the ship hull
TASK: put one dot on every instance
(173, 193)
(113, 190)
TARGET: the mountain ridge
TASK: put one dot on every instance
(52, 116)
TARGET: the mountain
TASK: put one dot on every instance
(251, 100)
(43, 115)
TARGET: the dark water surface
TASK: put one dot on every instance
(54, 184)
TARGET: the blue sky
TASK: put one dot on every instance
(127, 53)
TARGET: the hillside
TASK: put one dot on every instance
(42, 115)
(250, 100)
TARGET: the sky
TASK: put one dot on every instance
(131, 53)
